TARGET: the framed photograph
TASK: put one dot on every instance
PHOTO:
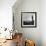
(28, 19)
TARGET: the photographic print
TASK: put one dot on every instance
(28, 19)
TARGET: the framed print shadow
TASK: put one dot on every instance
(29, 19)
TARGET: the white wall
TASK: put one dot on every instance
(43, 22)
(30, 33)
(6, 13)
(37, 34)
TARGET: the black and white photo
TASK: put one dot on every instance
(28, 19)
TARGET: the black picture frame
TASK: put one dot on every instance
(28, 19)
